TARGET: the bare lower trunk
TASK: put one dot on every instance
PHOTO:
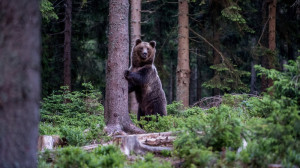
(272, 37)
(272, 25)
(217, 59)
(253, 88)
(135, 32)
(199, 77)
(116, 99)
(193, 84)
(19, 82)
(183, 65)
(67, 44)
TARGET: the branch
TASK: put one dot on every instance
(262, 33)
(204, 39)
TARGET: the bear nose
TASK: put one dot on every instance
(144, 54)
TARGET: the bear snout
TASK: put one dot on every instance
(144, 55)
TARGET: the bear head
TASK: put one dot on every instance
(143, 53)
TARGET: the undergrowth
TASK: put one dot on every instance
(217, 137)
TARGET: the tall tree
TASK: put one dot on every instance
(135, 33)
(116, 98)
(67, 43)
(183, 62)
(19, 82)
(268, 59)
(272, 25)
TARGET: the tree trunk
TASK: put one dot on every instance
(193, 81)
(268, 60)
(216, 56)
(19, 82)
(253, 88)
(199, 77)
(67, 44)
(272, 25)
(183, 65)
(116, 98)
(135, 34)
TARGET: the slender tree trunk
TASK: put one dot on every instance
(116, 99)
(193, 81)
(272, 36)
(264, 59)
(272, 25)
(67, 44)
(19, 82)
(253, 88)
(268, 60)
(216, 56)
(135, 34)
(170, 99)
(183, 65)
(199, 77)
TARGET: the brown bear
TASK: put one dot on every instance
(143, 78)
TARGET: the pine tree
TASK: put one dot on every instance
(19, 82)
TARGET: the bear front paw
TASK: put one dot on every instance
(126, 74)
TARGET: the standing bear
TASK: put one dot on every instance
(143, 78)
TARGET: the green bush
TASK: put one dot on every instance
(176, 108)
(69, 114)
(150, 162)
(101, 157)
(161, 124)
(205, 136)
(104, 156)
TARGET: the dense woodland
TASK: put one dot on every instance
(230, 71)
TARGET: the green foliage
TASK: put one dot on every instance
(227, 78)
(69, 114)
(150, 162)
(105, 156)
(101, 157)
(203, 137)
(161, 124)
(175, 108)
(232, 13)
(47, 11)
(285, 83)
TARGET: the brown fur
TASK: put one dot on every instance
(143, 78)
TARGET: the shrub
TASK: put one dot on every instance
(175, 108)
(103, 156)
(68, 114)
(150, 162)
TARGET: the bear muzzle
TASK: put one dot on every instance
(144, 55)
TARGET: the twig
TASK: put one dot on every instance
(56, 33)
(204, 39)
(262, 33)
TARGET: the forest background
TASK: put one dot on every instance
(238, 30)
(242, 53)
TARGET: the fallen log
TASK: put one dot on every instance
(137, 143)
(50, 142)
(140, 143)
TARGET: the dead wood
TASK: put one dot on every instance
(140, 143)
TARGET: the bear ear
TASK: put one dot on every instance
(138, 41)
(153, 44)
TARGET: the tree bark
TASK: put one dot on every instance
(253, 88)
(135, 34)
(116, 98)
(268, 60)
(199, 77)
(67, 44)
(183, 65)
(19, 82)
(272, 25)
